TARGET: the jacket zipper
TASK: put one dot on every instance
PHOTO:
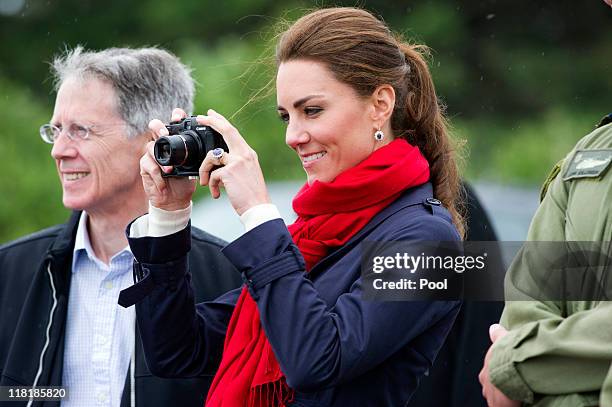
(48, 338)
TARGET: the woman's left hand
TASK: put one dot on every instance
(240, 175)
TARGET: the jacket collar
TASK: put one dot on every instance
(412, 196)
(63, 245)
(60, 253)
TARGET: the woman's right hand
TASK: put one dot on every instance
(171, 193)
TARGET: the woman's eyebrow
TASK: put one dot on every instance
(300, 102)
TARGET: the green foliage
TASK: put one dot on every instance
(521, 83)
(31, 194)
(228, 76)
(522, 151)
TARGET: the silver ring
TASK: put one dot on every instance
(217, 153)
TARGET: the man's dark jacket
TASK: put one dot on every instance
(35, 276)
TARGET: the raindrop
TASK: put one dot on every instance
(490, 16)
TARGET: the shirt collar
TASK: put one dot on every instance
(82, 244)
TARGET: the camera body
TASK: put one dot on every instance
(186, 146)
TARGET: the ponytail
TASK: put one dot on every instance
(419, 118)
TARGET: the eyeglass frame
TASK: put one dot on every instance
(57, 131)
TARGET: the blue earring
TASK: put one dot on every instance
(379, 135)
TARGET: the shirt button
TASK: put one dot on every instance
(108, 285)
(102, 397)
(433, 201)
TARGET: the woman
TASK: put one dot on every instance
(362, 114)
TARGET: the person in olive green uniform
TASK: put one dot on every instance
(554, 352)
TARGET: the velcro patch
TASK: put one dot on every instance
(588, 164)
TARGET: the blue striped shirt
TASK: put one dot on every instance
(100, 334)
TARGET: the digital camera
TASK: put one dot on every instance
(186, 146)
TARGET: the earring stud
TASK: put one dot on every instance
(379, 135)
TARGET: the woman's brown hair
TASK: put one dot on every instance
(362, 52)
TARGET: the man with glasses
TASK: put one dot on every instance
(59, 318)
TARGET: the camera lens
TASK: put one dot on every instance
(170, 150)
(183, 149)
(164, 151)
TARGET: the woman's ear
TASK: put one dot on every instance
(383, 103)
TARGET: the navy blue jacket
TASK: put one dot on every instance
(334, 348)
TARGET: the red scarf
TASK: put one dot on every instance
(329, 214)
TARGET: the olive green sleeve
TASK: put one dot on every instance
(606, 391)
(552, 355)
(549, 350)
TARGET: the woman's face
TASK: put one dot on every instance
(328, 124)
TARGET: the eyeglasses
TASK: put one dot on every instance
(50, 132)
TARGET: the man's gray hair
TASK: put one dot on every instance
(148, 82)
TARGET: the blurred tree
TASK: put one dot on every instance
(521, 81)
